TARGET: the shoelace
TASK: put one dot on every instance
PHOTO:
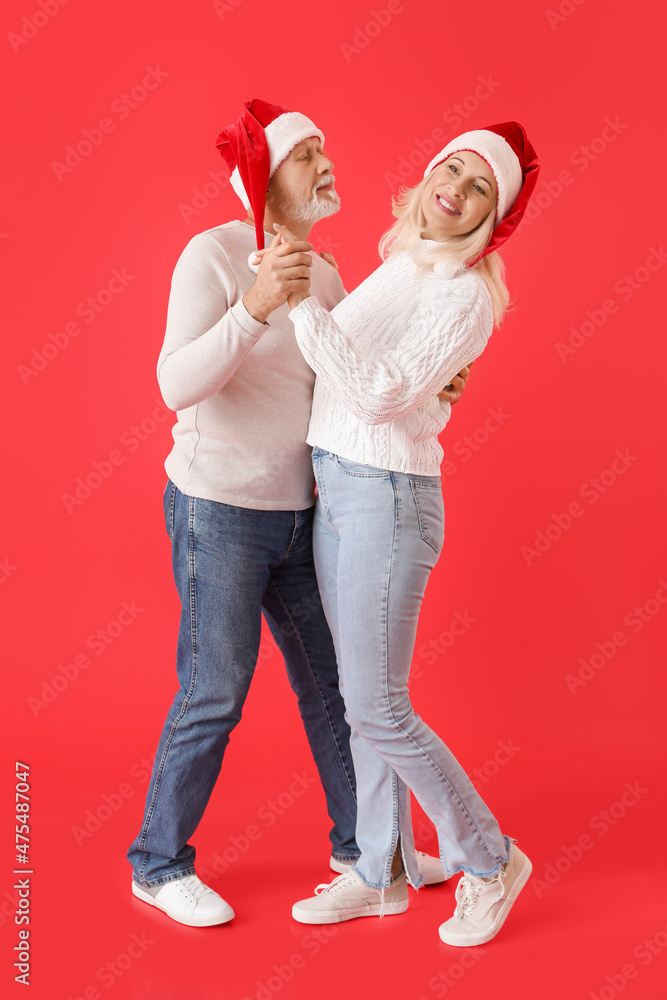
(467, 894)
(469, 889)
(347, 878)
(195, 886)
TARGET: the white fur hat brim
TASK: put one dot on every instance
(498, 154)
(282, 135)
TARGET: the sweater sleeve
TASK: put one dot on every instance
(206, 340)
(442, 335)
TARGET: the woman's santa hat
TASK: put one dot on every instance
(507, 150)
(254, 147)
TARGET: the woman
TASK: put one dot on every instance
(381, 356)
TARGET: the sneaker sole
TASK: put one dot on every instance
(192, 922)
(466, 940)
(338, 916)
(339, 866)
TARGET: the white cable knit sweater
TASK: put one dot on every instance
(383, 354)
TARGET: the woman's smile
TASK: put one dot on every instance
(446, 205)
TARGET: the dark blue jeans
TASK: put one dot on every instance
(231, 564)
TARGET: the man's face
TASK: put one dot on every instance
(303, 187)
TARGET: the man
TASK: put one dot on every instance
(239, 502)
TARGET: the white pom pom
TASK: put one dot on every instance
(446, 269)
(253, 267)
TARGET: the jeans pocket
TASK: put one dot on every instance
(360, 471)
(168, 501)
(428, 499)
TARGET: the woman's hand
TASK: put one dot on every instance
(284, 272)
(298, 294)
(453, 392)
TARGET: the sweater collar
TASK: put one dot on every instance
(446, 269)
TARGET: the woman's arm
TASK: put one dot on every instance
(205, 340)
(443, 335)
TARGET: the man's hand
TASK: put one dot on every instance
(453, 391)
(284, 271)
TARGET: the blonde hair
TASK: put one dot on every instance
(406, 232)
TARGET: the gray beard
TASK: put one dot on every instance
(309, 209)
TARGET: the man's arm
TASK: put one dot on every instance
(207, 338)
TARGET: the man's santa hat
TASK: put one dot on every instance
(255, 145)
(507, 150)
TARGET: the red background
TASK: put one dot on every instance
(598, 215)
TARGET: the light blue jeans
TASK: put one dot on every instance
(376, 537)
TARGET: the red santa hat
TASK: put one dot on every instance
(507, 150)
(255, 145)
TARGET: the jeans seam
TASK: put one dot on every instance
(359, 475)
(394, 721)
(385, 653)
(317, 685)
(193, 678)
(454, 795)
(423, 530)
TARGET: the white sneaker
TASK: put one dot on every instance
(188, 901)
(348, 897)
(430, 868)
(482, 906)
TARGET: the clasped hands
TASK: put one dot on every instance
(284, 276)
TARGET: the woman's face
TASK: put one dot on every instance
(459, 194)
